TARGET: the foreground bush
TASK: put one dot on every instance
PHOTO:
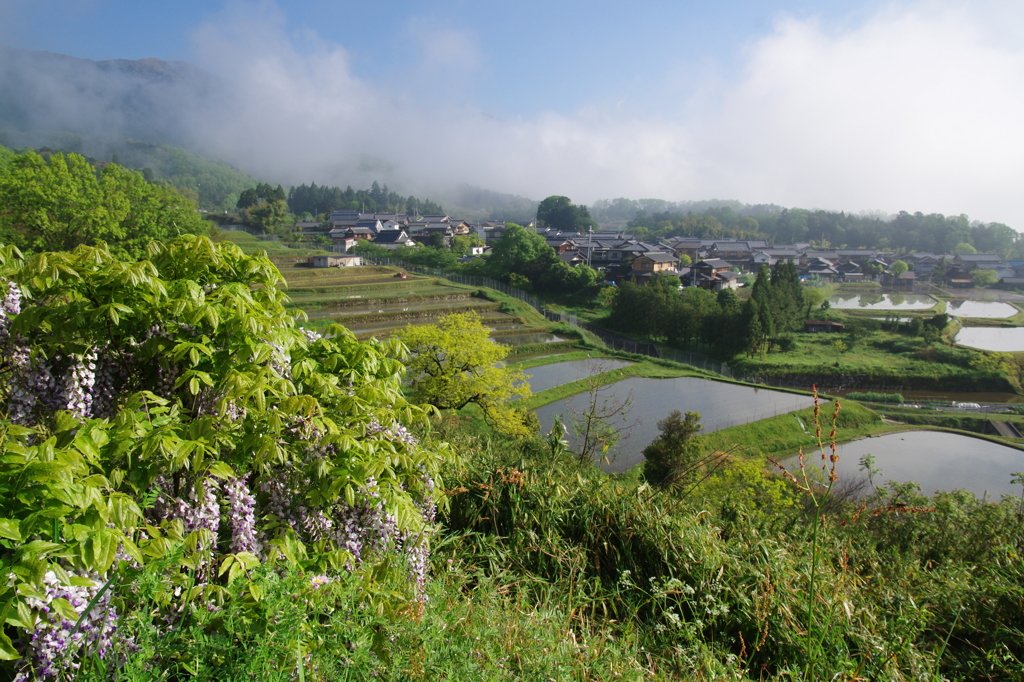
(166, 420)
(716, 582)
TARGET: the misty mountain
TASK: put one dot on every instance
(147, 99)
(141, 110)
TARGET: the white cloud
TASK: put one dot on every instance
(913, 109)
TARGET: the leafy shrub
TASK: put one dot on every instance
(170, 412)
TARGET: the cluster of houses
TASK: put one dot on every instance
(390, 230)
(715, 264)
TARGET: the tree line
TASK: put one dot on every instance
(715, 322)
(317, 201)
(906, 232)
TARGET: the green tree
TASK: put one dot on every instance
(677, 451)
(62, 203)
(985, 278)
(454, 364)
(523, 252)
(560, 213)
(898, 268)
(269, 216)
(462, 243)
(963, 248)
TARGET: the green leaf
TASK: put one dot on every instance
(100, 549)
(65, 609)
(7, 650)
(221, 470)
(9, 529)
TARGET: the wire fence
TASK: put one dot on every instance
(610, 339)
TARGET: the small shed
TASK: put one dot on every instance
(823, 326)
(335, 261)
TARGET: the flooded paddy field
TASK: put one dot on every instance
(935, 460)
(650, 400)
(981, 309)
(544, 377)
(997, 339)
(882, 302)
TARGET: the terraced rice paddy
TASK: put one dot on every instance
(372, 302)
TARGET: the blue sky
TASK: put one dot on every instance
(841, 105)
(518, 58)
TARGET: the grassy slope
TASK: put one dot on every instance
(878, 358)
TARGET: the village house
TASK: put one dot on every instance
(713, 274)
(646, 266)
(979, 261)
(392, 239)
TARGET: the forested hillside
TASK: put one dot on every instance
(933, 232)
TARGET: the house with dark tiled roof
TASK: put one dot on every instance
(572, 257)
(360, 233)
(959, 276)
(850, 272)
(831, 257)
(649, 264)
(858, 256)
(714, 274)
(979, 261)
(819, 267)
(392, 239)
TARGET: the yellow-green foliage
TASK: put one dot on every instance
(453, 364)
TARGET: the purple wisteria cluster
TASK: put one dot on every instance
(361, 529)
(197, 509)
(55, 645)
(110, 377)
(364, 529)
(394, 433)
(11, 305)
(241, 514)
(78, 383)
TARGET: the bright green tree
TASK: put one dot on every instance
(269, 216)
(454, 364)
(63, 202)
(985, 278)
(898, 268)
(520, 251)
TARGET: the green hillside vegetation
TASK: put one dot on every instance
(211, 184)
(190, 501)
(62, 201)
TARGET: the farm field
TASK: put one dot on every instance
(373, 302)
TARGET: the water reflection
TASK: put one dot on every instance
(987, 309)
(721, 405)
(895, 301)
(556, 374)
(527, 339)
(935, 461)
(998, 339)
